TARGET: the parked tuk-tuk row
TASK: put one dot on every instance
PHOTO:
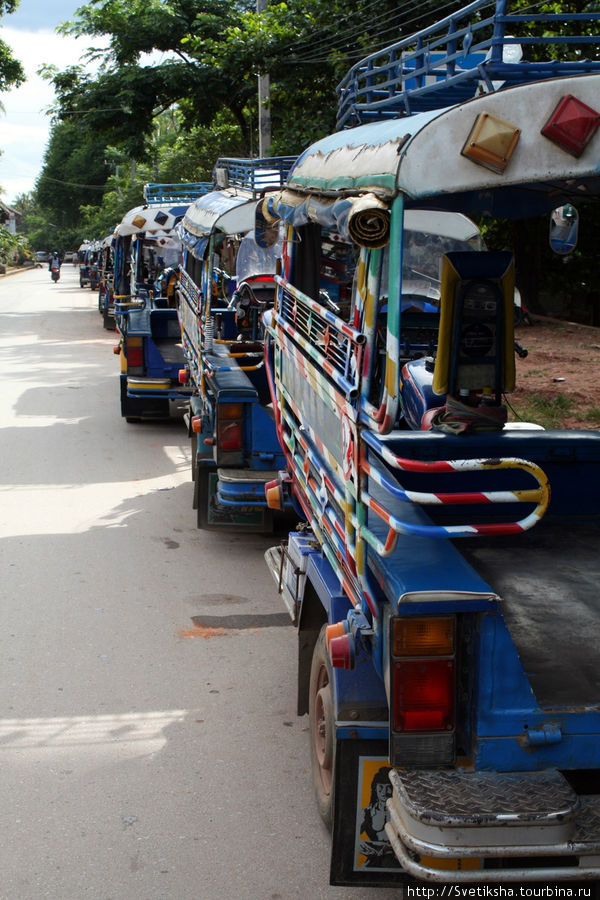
(339, 343)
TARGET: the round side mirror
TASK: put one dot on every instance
(564, 229)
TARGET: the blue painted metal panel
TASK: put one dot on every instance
(265, 451)
(359, 688)
(506, 710)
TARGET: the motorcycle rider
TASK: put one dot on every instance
(54, 262)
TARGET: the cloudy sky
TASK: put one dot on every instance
(24, 127)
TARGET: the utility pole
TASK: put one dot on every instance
(264, 112)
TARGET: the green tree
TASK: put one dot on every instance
(213, 55)
(11, 70)
(74, 170)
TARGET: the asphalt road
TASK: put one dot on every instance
(141, 757)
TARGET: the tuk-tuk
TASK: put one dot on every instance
(106, 306)
(444, 587)
(227, 283)
(83, 255)
(146, 246)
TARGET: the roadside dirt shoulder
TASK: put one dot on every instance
(558, 384)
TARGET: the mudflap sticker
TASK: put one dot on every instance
(361, 852)
(231, 515)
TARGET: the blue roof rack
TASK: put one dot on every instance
(477, 49)
(176, 193)
(254, 175)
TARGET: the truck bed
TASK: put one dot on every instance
(548, 580)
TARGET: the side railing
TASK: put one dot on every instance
(480, 47)
(254, 175)
(311, 331)
(189, 311)
(176, 193)
(351, 485)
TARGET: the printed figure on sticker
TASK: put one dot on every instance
(372, 847)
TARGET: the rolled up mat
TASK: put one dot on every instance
(369, 222)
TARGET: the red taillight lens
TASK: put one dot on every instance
(135, 356)
(423, 695)
(229, 435)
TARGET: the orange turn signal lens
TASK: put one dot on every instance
(423, 636)
(273, 495)
(230, 410)
(333, 631)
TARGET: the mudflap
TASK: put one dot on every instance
(361, 853)
(231, 517)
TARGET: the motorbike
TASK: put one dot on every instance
(55, 273)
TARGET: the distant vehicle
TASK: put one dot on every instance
(42, 256)
(70, 256)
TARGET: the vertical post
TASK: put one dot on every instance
(264, 113)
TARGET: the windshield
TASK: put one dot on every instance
(423, 253)
(168, 256)
(253, 260)
(421, 266)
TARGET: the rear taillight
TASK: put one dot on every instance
(423, 695)
(229, 436)
(423, 673)
(135, 356)
(230, 427)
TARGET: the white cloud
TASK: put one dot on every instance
(25, 127)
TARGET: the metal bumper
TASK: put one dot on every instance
(243, 487)
(165, 388)
(449, 826)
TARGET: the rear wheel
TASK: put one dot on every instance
(322, 729)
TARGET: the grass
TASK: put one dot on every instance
(550, 412)
(590, 416)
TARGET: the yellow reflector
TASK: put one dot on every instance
(427, 636)
(230, 410)
(491, 142)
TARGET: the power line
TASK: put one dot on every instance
(92, 187)
(360, 53)
(341, 38)
(311, 35)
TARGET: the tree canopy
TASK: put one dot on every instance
(11, 70)
(175, 86)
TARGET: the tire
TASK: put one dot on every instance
(322, 730)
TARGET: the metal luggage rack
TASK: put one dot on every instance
(255, 175)
(477, 49)
(176, 193)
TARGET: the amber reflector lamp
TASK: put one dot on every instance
(491, 142)
(572, 125)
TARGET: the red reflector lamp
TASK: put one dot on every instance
(196, 423)
(135, 356)
(338, 629)
(117, 349)
(183, 376)
(423, 695)
(572, 125)
(342, 652)
(229, 435)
